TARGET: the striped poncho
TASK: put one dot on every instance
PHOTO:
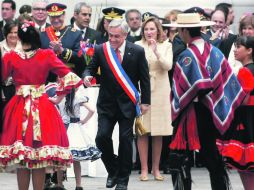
(209, 77)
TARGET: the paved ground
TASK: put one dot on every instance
(200, 182)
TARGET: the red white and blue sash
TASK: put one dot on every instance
(121, 76)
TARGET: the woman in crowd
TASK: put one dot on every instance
(246, 27)
(237, 144)
(157, 120)
(171, 16)
(11, 42)
(102, 27)
(33, 136)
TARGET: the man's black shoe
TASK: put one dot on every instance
(121, 187)
(111, 182)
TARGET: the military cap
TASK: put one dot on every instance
(200, 11)
(25, 9)
(55, 9)
(147, 15)
(111, 13)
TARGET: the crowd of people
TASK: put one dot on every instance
(184, 82)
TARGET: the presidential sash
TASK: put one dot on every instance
(121, 76)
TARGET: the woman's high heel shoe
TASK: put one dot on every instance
(159, 178)
(143, 178)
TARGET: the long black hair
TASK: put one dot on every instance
(69, 107)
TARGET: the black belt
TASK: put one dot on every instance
(74, 119)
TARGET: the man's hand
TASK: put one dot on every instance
(56, 46)
(225, 32)
(144, 108)
(87, 81)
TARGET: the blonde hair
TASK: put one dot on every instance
(171, 13)
(158, 26)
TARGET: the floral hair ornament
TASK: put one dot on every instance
(26, 24)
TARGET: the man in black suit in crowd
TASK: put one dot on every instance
(133, 18)
(8, 10)
(82, 18)
(40, 15)
(114, 105)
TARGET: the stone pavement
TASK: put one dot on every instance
(200, 182)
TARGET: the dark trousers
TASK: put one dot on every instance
(9, 92)
(209, 152)
(120, 165)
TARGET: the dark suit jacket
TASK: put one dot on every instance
(224, 45)
(1, 31)
(111, 95)
(133, 38)
(92, 35)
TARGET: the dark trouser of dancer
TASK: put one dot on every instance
(212, 160)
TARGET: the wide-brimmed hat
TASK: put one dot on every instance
(189, 20)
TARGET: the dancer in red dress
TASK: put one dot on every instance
(237, 145)
(34, 137)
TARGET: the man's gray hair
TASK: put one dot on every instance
(119, 23)
(132, 11)
(39, 1)
(79, 5)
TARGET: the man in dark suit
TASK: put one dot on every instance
(82, 18)
(39, 14)
(8, 12)
(133, 18)
(114, 105)
(221, 31)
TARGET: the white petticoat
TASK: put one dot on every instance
(80, 144)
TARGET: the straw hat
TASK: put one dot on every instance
(189, 20)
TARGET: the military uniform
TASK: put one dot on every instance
(70, 39)
(67, 35)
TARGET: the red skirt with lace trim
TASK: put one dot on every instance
(21, 150)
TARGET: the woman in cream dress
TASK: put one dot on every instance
(158, 120)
